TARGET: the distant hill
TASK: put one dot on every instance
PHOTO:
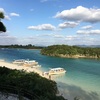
(92, 46)
(29, 46)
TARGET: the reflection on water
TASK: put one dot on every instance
(55, 77)
(72, 91)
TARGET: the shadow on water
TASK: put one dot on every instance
(72, 91)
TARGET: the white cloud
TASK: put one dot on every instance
(87, 27)
(11, 14)
(82, 40)
(51, 39)
(80, 13)
(42, 27)
(7, 17)
(6, 39)
(90, 32)
(68, 25)
(14, 14)
(2, 10)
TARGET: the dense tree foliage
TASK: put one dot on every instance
(29, 46)
(71, 51)
(1, 15)
(31, 83)
(2, 27)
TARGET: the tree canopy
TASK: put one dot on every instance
(1, 15)
(2, 26)
(30, 85)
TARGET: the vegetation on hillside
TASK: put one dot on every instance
(71, 51)
(29, 85)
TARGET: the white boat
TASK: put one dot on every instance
(19, 61)
(2, 60)
(30, 63)
(27, 62)
(23, 61)
(55, 71)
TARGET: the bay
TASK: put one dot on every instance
(82, 78)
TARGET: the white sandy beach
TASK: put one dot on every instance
(20, 67)
(15, 66)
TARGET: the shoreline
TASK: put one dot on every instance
(21, 67)
(73, 56)
(65, 91)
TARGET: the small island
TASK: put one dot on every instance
(67, 51)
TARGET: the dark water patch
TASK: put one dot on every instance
(72, 91)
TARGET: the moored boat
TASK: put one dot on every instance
(19, 61)
(26, 62)
(2, 60)
(55, 71)
(30, 63)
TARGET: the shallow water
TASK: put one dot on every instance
(82, 78)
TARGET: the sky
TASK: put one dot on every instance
(51, 22)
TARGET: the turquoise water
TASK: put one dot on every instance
(82, 78)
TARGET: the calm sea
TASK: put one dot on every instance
(82, 78)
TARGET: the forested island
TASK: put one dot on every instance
(29, 46)
(71, 51)
(30, 85)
